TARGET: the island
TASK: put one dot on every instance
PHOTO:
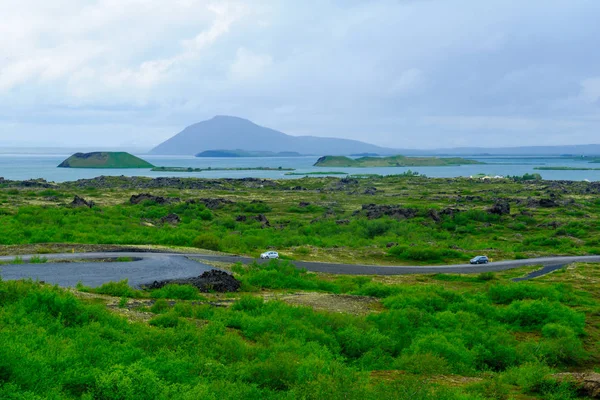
(190, 169)
(104, 159)
(566, 169)
(244, 153)
(393, 161)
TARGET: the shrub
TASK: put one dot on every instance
(174, 291)
(118, 289)
(168, 320)
(207, 241)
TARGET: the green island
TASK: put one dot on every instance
(190, 169)
(317, 173)
(566, 169)
(292, 334)
(104, 159)
(246, 153)
(393, 161)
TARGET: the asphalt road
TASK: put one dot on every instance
(149, 267)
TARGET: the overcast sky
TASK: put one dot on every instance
(398, 73)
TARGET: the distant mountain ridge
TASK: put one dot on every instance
(225, 132)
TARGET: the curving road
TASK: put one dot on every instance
(149, 267)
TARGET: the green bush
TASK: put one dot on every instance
(117, 289)
(174, 291)
(207, 241)
(165, 321)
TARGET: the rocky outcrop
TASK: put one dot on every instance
(81, 202)
(374, 211)
(587, 383)
(263, 220)
(209, 281)
(211, 204)
(260, 218)
(172, 219)
(142, 197)
(501, 207)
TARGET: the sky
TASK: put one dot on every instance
(396, 73)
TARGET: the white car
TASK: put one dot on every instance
(269, 254)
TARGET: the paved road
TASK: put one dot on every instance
(149, 267)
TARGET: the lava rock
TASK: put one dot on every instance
(263, 220)
(211, 204)
(548, 203)
(142, 197)
(172, 219)
(502, 207)
(374, 211)
(210, 281)
(588, 384)
(81, 202)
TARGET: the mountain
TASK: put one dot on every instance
(104, 160)
(229, 133)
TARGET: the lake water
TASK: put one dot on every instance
(21, 167)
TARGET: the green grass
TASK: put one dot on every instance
(332, 225)
(393, 161)
(513, 335)
(317, 173)
(566, 169)
(104, 160)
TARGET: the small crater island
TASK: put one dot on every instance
(393, 161)
(104, 159)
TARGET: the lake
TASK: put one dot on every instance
(24, 166)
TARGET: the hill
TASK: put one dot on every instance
(223, 132)
(393, 161)
(106, 159)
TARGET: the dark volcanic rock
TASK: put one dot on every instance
(548, 203)
(213, 280)
(263, 220)
(260, 218)
(81, 202)
(371, 191)
(588, 384)
(502, 207)
(142, 197)
(40, 183)
(304, 204)
(342, 221)
(171, 219)
(211, 203)
(374, 211)
(434, 215)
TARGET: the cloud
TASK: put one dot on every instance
(391, 72)
(590, 90)
(249, 65)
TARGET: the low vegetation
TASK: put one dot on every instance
(495, 337)
(393, 161)
(402, 219)
(106, 159)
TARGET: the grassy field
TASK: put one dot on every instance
(290, 334)
(383, 220)
(392, 161)
(297, 335)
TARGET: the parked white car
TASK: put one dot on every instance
(269, 254)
